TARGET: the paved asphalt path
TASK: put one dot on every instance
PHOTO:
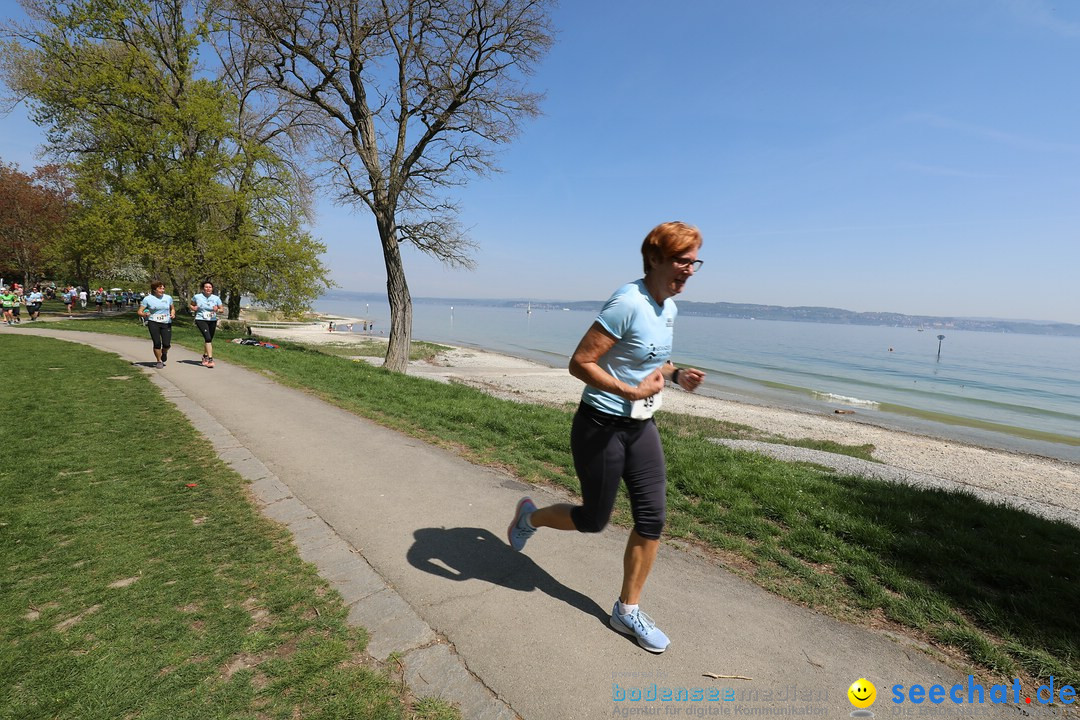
(414, 538)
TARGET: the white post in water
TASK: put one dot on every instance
(939, 339)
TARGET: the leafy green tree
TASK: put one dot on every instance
(271, 190)
(156, 150)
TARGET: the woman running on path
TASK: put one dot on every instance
(8, 300)
(33, 303)
(623, 361)
(158, 311)
(206, 306)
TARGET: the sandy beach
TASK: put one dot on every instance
(1046, 486)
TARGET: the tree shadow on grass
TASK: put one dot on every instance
(476, 554)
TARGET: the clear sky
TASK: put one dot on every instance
(920, 157)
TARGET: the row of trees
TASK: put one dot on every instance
(187, 126)
(166, 180)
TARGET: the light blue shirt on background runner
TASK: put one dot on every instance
(643, 331)
(206, 306)
(158, 308)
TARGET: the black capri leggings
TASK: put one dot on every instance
(161, 334)
(608, 448)
(207, 328)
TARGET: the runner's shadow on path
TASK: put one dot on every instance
(476, 554)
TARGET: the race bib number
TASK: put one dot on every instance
(643, 409)
(160, 317)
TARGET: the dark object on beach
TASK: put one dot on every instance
(254, 342)
(844, 412)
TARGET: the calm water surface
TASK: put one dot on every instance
(1019, 392)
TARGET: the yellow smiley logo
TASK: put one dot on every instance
(862, 693)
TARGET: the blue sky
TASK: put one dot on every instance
(920, 156)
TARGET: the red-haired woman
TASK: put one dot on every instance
(623, 359)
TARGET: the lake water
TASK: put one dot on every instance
(1018, 392)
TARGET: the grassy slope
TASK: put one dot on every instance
(126, 593)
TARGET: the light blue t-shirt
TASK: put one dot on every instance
(644, 331)
(205, 306)
(157, 308)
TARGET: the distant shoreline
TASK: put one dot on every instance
(747, 311)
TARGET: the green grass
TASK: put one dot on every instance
(995, 585)
(126, 593)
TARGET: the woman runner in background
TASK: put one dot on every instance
(206, 306)
(158, 311)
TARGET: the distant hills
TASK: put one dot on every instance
(849, 317)
(748, 311)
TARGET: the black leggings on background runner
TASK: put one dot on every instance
(607, 449)
(207, 328)
(161, 334)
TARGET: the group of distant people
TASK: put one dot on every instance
(13, 298)
(103, 299)
(336, 327)
(12, 301)
(156, 309)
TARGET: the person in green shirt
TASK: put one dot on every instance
(8, 299)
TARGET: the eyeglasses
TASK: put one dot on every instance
(685, 263)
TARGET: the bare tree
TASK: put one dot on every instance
(410, 97)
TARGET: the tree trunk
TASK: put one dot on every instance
(82, 274)
(397, 292)
(179, 302)
(233, 304)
